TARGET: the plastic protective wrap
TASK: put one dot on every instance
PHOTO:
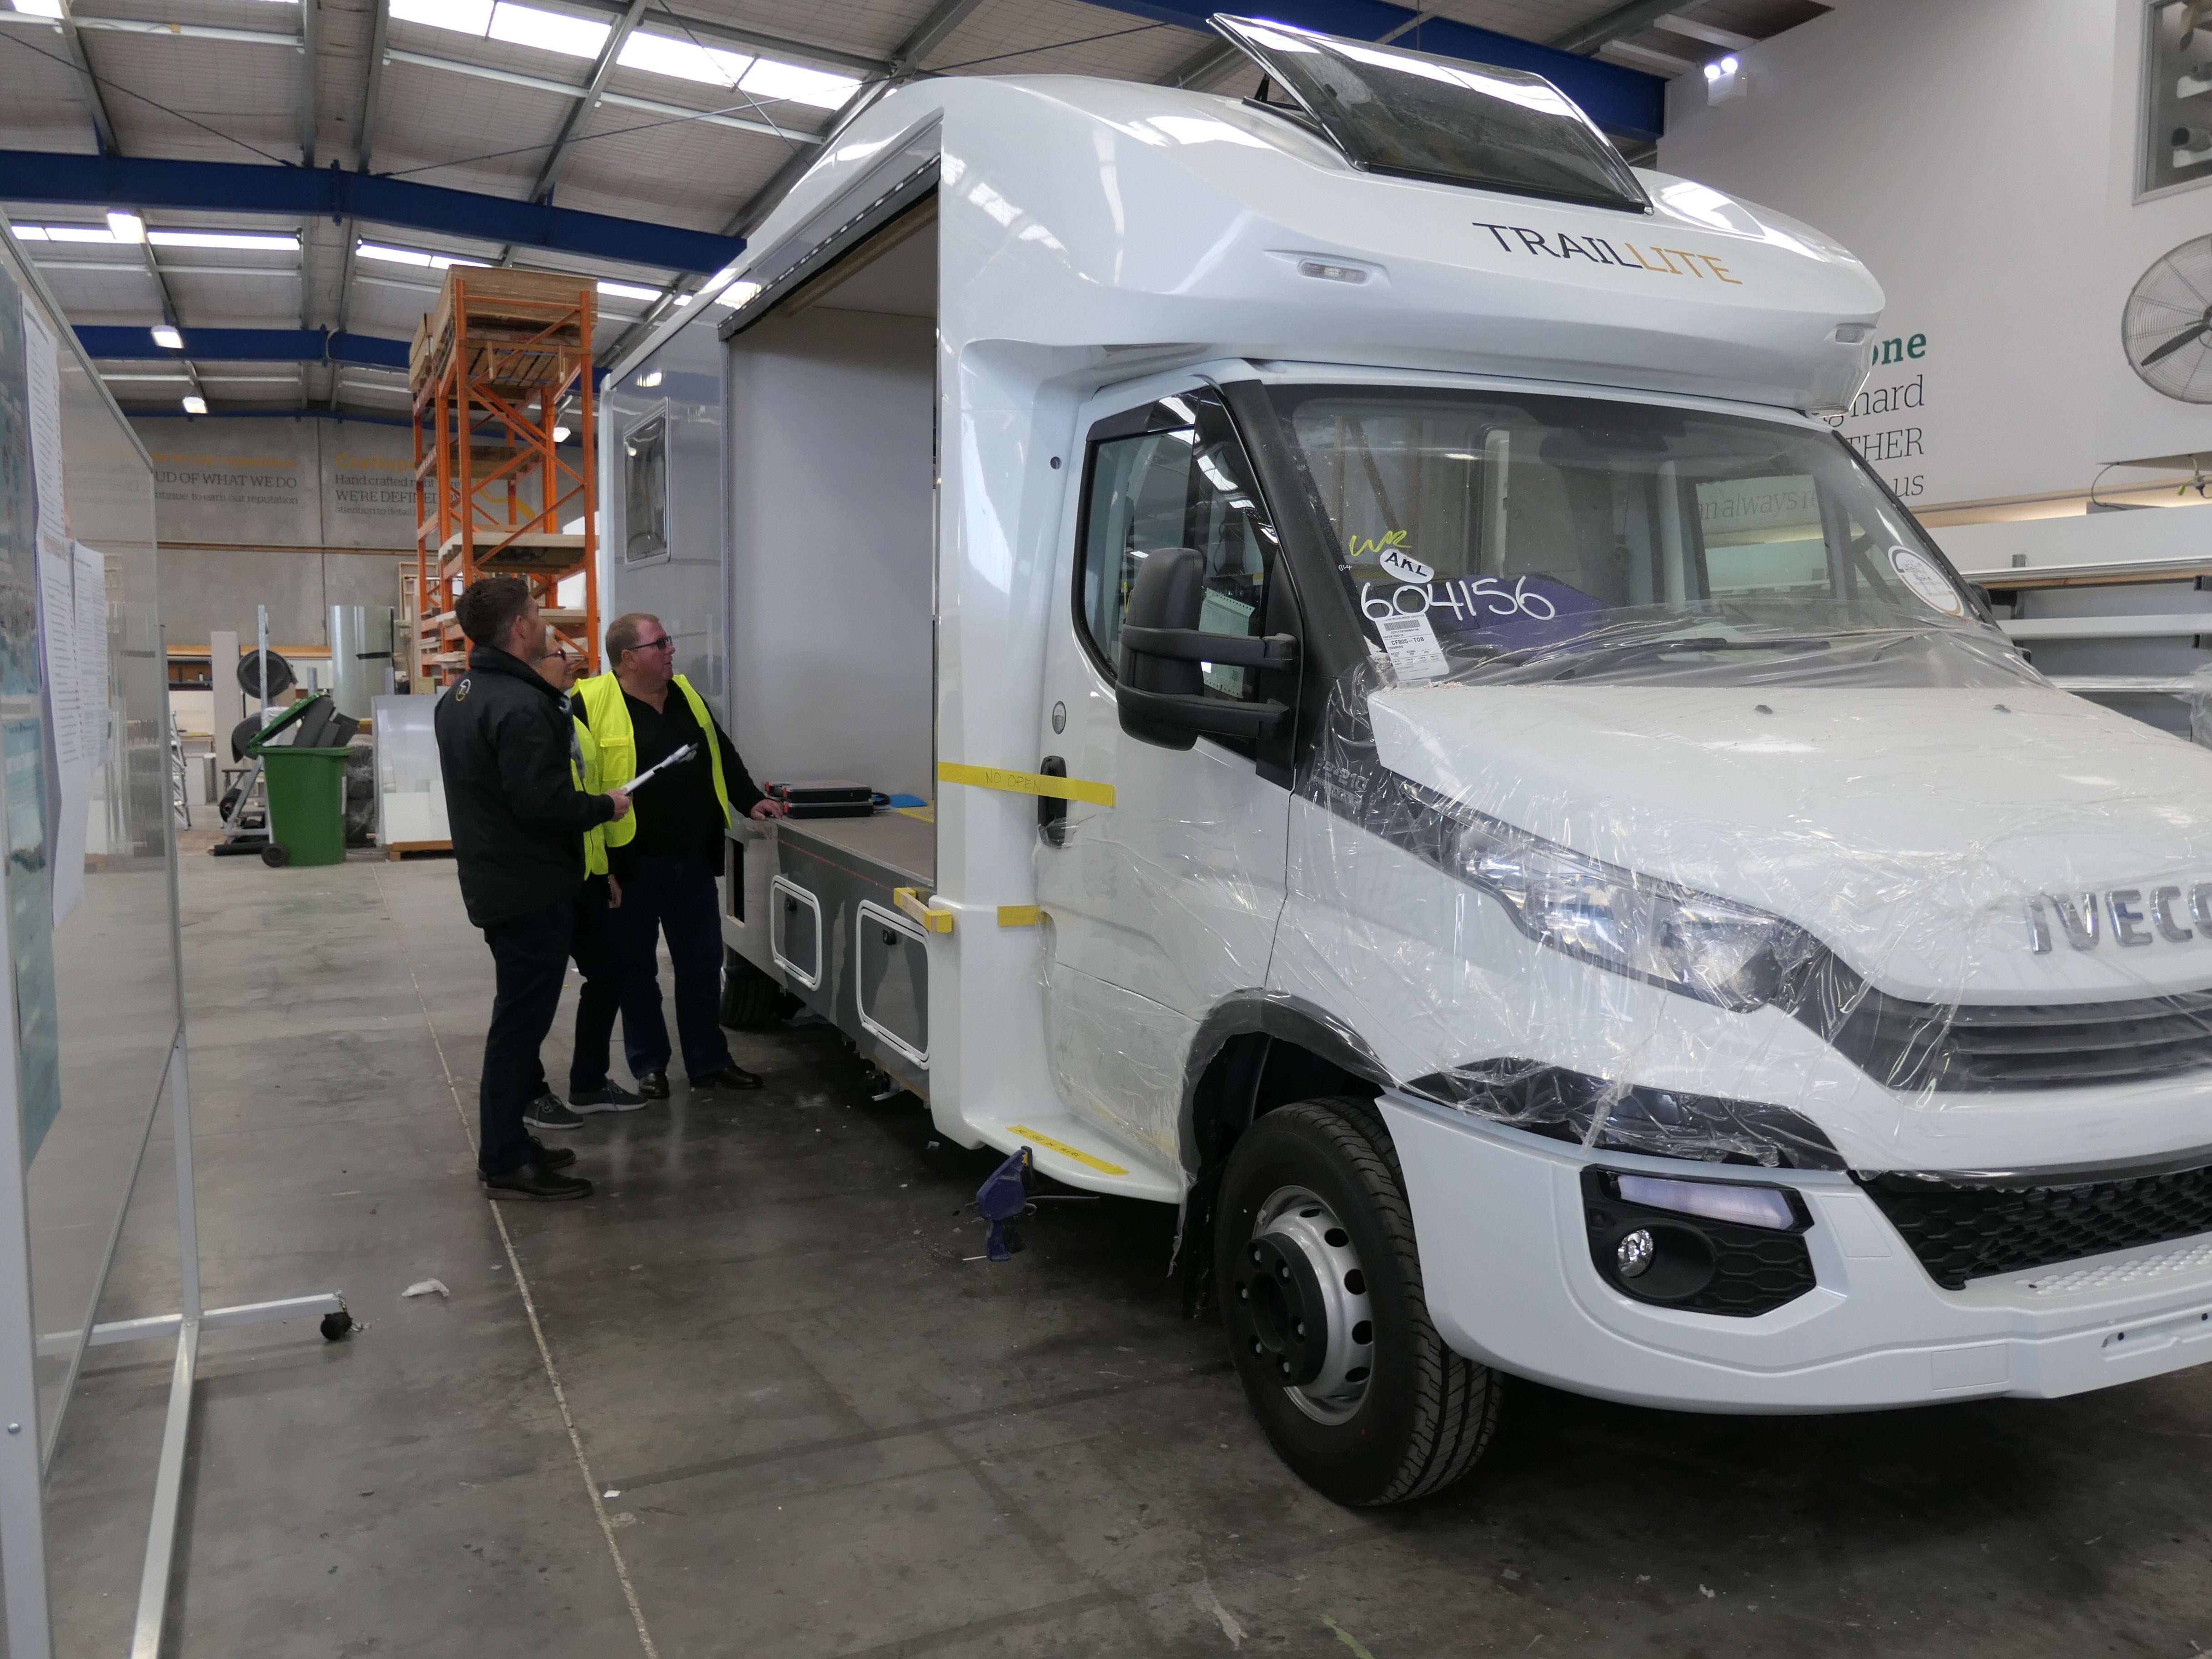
(1688, 805)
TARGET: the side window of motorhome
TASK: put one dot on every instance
(1524, 523)
(1186, 487)
(645, 490)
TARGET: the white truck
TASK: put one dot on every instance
(1440, 763)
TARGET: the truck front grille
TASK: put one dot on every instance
(1981, 1048)
(1962, 1230)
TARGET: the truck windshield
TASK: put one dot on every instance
(1499, 536)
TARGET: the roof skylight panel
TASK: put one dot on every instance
(736, 72)
(503, 20)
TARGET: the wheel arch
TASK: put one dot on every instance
(1256, 1050)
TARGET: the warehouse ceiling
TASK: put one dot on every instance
(695, 114)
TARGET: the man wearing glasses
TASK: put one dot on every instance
(663, 858)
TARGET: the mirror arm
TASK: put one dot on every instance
(1227, 650)
(1212, 716)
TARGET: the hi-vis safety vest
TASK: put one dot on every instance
(584, 766)
(616, 742)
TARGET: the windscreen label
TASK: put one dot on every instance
(1412, 643)
(1405, 566)
(1917, 573)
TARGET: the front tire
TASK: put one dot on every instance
(1321, 1290)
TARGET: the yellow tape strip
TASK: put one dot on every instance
(909, 900)
(1027, 783)
(1067, 1150)
(1021, 915)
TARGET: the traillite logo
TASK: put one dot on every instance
(1598, 250)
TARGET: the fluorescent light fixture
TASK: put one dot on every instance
(629, 291)
(682, 60)
(560, 434)
(263, 241)
(65, 233)
(167, 338)
(125, 225)
(502, 20)
(158, 380)
(40, 8)
(408, 256)
(195, 405)
(649, 381)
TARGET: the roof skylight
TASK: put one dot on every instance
(503, 20)
(737, 71)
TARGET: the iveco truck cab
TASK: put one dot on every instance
(1437, 760)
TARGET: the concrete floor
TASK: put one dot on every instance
(815, 1428)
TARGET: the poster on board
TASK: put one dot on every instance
(23, 725)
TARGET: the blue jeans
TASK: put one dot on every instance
(677, 898)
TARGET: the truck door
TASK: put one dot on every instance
(1165, 901)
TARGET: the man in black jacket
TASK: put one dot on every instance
(518, 825)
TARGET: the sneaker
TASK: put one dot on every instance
(609, 1096)
(548, 1111)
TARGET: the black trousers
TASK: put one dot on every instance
(598, 951)
(530, 959)
(675, 897)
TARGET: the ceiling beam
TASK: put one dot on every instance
(1622, 20)
(931, 33)
(310, 35)
(550, 174)
(331, 192)
(244, 345)
(1619, 98)
(372, 95)
(627, 100)
(103, 128)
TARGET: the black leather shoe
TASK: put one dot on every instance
(728, 1077)
(535, 1181)
(552, 1157)
(653, 1085)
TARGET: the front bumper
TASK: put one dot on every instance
(1505, 1257)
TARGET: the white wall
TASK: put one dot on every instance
(831, 543)
(1979, 154)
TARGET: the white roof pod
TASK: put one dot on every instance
(1100, 216)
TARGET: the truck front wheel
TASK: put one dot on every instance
(1320, 1289)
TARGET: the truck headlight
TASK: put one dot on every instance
(1703, 946)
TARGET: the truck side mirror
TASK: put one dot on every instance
(1162, 695)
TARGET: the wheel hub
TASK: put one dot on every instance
(1298, 1305)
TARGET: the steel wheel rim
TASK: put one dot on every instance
(1298, 1219)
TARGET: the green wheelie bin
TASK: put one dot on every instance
(307, 794)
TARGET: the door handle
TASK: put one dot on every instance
(1052, 810)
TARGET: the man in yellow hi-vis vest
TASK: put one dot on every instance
(664, 858)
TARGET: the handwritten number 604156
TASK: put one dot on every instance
(1470, 601)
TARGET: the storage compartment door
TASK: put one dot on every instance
(891, 987)
(795, 931)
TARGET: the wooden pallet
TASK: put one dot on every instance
(392, 849)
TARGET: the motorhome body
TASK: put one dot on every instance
(1639, 858)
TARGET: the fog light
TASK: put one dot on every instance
(1634, 1253)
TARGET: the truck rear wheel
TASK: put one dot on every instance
(1320, 1289)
